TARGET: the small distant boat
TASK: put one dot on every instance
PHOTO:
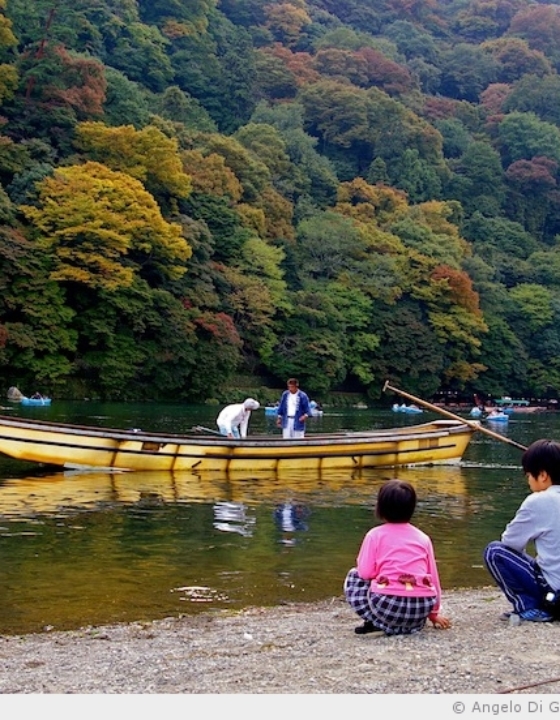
(314, 410)
(506, 401)
(411, 409)
(16, 396)
(498, 417)
(43, 401)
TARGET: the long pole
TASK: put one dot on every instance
(452, 416)
(201, 428)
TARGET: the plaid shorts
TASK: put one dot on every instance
(394, 614)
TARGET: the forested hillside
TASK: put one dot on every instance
(346, 191)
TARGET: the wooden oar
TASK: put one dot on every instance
(202, 429)
(452, 416)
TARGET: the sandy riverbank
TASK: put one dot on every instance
(293, 649)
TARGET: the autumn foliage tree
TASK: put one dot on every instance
(102, 227)
(147, 155)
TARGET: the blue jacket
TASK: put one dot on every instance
(302, 409)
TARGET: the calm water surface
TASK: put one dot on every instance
(89, 548)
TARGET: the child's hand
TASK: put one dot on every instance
(441, 623)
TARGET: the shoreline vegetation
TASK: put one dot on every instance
(291, 649)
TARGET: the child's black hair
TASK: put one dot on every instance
(396, 502)
(543, 455)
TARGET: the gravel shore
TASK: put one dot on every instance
(301, 648)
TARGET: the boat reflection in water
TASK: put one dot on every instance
(231, 493)
(101, 547)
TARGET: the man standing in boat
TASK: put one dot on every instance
(293, 411)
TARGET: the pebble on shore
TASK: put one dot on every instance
(292, 649)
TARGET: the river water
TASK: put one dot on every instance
(88, 548)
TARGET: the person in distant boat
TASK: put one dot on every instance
(37, 396)
(293, 411)
(395, 585)
(532, 584)
(233, 420)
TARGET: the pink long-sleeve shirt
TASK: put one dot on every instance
(399, 559)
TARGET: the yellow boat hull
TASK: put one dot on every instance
(75, 446)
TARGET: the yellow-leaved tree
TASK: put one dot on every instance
(102, 227)
(147, 155)
(8, 72)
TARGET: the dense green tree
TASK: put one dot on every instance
(274, 79)
(57, 89)
(478, 179)
(23, 188)
(523, 136)
(85, 25)
(415, 176)
(366, 123)
(313, 175)
(36, 337)
(467, 72)
(504, 357)
(533, 316)
(244, 12)
(408, 350)
(544, 268)
(412, 42)
(360, 342)
(538, 95)
(177, 105)
(480, 20)
(126, 101)
(222, 221)
(504, 245)
(312, 346)
(134, 341)
(193, 13)
(253, 174)
(217, 67)
(515, 59)
(141, 54)
(266, 143)
(456, 137)
(533, 186)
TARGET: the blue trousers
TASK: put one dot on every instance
(518, 575)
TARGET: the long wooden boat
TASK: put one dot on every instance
(77, 446)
